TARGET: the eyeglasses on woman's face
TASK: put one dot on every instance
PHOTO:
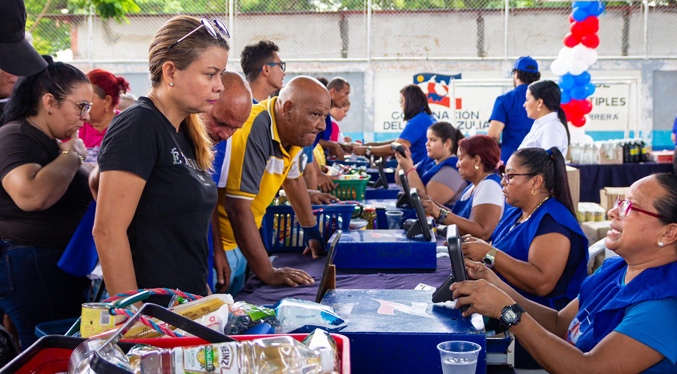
(214, 28)
(508, 176)
(83, 106)
(625, 206)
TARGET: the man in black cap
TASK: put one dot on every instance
(17, 56)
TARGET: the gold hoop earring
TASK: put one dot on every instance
(533, 192)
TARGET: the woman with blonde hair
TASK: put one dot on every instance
(155, 196)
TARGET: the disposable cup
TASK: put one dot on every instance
(459, 357)
(394, 218)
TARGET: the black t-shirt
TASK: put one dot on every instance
(21, 144)
(168, 234)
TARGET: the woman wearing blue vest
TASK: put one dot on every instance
(538, 247)
(419, 117)
(625, 316)
(481, 204)
(436, 174)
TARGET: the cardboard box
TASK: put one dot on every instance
(607, 196)
(574, 177)
(595, 230)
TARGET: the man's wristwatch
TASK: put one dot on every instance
(490, 258)
(442, 217)
(511, 315)
(368, 152)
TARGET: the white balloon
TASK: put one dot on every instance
(577, 134)
(559, 67)
(565, 54)
(579, 52)
(577, 68)
(591, 56)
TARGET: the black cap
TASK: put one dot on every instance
(17, 56)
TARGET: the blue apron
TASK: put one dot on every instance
(604, 299)
(428, 168)
(462, 208)
(516, 240)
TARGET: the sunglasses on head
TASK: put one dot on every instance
(211, 27)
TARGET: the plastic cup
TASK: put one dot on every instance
(459, 357)
(394, 219)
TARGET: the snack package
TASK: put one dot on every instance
(294, 314)
(244, 316)
(321, 341)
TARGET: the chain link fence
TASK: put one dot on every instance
(360, 30)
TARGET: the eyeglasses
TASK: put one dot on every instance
(509, 176)
(220, 26)
(283, 65)
(84, 107)
(625, 206)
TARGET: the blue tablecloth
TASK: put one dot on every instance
(595, 177)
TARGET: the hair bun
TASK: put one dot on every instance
(123, 85)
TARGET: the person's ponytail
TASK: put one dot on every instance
(560, 185)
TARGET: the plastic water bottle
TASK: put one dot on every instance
(278, 354)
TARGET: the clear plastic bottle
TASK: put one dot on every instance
(274, 355)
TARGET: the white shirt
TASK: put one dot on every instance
(486, 192)
(547, 132)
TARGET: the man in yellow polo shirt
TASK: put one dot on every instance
(262, 156)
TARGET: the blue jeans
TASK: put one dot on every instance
(33, 289)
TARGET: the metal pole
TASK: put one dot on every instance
(369, 19)
(90, 37)
(505, 29)
(645, 3)
(452, 83)
(231, 23)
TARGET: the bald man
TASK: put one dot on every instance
(227, 115)
(262, 157)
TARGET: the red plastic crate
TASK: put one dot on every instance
(50, 354)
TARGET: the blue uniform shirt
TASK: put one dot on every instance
(415, 133)
(509, 109)
(674, 130)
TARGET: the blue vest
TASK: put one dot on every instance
(516, 240)
(604, 299)
(428, 168)
(462, 208)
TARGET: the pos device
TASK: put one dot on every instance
(421, 226)
(329, 270)
(399, 148)
(458, 273)
(382, 180)
(403, 198)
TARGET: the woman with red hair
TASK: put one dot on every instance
(481, 204)
(107, 91)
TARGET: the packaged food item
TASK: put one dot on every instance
(244, 316)
(276, 354)
(294, 314)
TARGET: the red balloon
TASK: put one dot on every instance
(578, 121)
(571, 18)
(591, 25)
(590, 41)
(570, 40)
(586, 106)
(578, 30)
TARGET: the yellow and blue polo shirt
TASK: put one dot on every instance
(254, 167)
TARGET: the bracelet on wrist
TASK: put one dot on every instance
(80, 158)
(410, 170)
(442, 217)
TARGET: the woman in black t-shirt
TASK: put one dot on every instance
(155, 196)
(44, 195)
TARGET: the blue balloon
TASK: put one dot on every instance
(580, 14)
(566, 97)
(582, 79)
(597, 9)
(579, 93)
(590, 89)
(582, 4)
(566, 81)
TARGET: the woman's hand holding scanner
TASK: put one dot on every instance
(403, 156)
(475, 249)
(431, 208)
(480, 297)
